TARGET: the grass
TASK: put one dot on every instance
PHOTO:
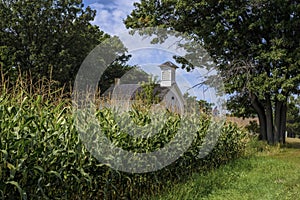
(290, 152)
(271, 174)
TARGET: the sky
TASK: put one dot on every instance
(110, 16)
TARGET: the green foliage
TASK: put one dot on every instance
(47, 35)
(203, 105)
(293, 118)
(240, 106)
(138, 144)
(253, 43)
(253, 127)
(144, 99)
(42, 156)
(51, 39)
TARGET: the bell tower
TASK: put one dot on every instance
(167, 74)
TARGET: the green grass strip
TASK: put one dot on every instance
(264, 176)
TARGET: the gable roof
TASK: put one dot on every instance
(168, 64)
(129, 91)
(157, 91)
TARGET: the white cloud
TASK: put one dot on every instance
(110, 15)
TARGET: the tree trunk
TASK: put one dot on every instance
(262, 126)
(269, 119)
(280, 121)
(277, 123)
(261, 115)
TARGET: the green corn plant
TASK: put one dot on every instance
(42, 155)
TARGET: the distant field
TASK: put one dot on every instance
(293, 143)
(241, 122)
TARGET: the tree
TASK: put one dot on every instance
(115, 70)
(293, 117)
(201, 105)
(254, 43)
(49, 38)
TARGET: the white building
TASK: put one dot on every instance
(167, 90)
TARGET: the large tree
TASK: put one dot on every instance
(50, 38)
(255, 44)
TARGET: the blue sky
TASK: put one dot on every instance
(110, 16)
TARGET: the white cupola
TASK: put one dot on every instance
(167, 74)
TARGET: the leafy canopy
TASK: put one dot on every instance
(49, 38)
(254, 40)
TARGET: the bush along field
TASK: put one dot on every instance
(42, 155)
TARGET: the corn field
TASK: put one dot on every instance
(42, 155)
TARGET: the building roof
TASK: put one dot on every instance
(168, 64)
(121, 91)
(158, 91)
(129, 91)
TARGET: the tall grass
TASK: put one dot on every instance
(43, 157)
